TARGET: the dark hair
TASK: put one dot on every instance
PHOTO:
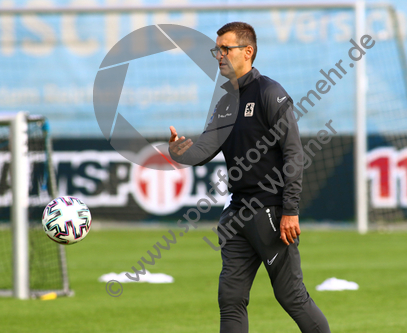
(245, 34)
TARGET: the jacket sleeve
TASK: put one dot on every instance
(280, 117)
(206, 146)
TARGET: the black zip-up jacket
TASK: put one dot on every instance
(256, 130)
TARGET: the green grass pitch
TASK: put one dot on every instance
(376, 261)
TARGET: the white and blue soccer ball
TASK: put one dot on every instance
(66, 220)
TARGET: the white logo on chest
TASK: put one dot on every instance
(248, 111)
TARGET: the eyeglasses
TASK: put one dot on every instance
(224, 50)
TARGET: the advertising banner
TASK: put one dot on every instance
(118, 190)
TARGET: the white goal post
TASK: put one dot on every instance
(19, 141)
(360, 149)
(19, 188)
(19, 212)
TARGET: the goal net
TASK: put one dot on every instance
(387, 125)
(46, 260)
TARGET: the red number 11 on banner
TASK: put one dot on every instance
(387, 168)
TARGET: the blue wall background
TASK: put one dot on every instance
(48, 64)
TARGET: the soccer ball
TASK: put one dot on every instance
(66, 220)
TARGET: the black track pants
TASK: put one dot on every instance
(245, 245)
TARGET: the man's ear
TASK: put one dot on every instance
(249, 52)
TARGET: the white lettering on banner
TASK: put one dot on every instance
(19, 96)
(42, 31)
(105, 178)
(188, 19)
(96, 177)
(323, 29)
(112, 26)
(289, 26)
(381, 19)
(53, 94)
(69, 33)
(163, 192)
(7, 31)
(306, 27)
(283, 25)
(137, 21)
(343, 23)
(141, 97)
(201, 186)
(81, 180)
(387, 167)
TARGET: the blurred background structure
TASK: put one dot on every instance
(51, 144)
(50, 53)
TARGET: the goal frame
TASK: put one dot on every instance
(18, 123)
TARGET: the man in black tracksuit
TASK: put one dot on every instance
(255, 128)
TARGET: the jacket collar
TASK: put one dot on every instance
(242, 81)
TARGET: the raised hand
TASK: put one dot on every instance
(178, 146)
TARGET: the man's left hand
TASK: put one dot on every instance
(289, 228)
(178, 146)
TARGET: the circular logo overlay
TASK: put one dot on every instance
(109, 84)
